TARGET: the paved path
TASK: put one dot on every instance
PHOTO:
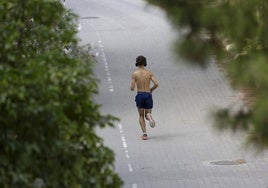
(183, 145)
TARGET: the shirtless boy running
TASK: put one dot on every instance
(144, 102)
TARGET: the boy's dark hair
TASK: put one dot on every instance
(141, 60)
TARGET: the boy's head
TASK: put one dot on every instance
(141, 61)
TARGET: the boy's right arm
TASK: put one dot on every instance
(132, 84)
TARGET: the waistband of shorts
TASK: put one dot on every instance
(143, 92)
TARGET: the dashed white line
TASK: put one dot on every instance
(102, 55)
(127, 155)
(106, 67)
(130, 169)
(79, 27)
(124, 143)
(120, 128)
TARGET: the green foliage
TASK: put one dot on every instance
(232, 30)
(48, 115)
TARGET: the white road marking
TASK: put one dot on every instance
(79, 26)
(102, 55)
(130, 169)
(104, 61)
(127, 155)
(125, 146)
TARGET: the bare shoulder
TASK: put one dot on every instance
(149, 72)
(135, 72)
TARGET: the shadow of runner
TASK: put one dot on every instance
(164, 137)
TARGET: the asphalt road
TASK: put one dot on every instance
(183, 150)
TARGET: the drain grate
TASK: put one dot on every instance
(89, 17)
(231, 162)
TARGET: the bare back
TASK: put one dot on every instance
(142, 79)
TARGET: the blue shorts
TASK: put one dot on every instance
(144, 100)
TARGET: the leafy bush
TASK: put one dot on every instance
(48, 114)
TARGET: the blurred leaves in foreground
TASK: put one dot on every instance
(235, 33)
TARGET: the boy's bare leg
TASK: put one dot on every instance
(149, 117)
(142, 120)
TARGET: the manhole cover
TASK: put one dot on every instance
(234, 162)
